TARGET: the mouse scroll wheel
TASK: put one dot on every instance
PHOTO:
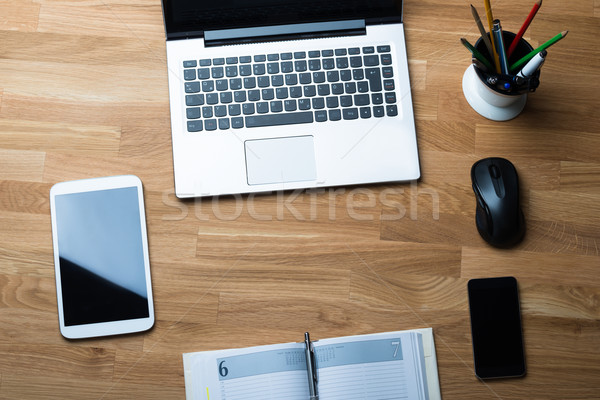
(495, 171)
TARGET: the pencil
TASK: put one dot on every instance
(476, 53)
(484, 35)
(543, 47)
(490, 20)
(515, 42)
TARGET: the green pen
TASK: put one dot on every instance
(476, 53)
(543, 47)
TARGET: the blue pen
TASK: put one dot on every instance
(499, 42)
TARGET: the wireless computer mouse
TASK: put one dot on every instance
(499, 217)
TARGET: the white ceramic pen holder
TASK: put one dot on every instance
(498, 96)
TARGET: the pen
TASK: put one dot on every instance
(499, 41)
(484, 35)
(476, 53)
(479, 65)
(311, 367)
(538, 50)
(490, 19)
(515, 42)
(533, 65)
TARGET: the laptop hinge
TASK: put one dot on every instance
(284, 32)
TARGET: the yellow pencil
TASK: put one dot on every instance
(490, 20)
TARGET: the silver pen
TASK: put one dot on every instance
(499, 41)
(311, 367)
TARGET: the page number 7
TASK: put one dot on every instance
(397, 346)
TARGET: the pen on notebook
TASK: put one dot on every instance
(534, 10)
(476, 53)
(310, 367)
(543, 47)
(490, 19)
(533, 65)
(499, 41)
(484, 35)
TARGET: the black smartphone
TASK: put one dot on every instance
(496, 327)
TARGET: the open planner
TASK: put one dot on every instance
(392, 365)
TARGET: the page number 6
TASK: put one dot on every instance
(223, 371)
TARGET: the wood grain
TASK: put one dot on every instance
(83, 93)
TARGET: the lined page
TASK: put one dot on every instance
(386, 368)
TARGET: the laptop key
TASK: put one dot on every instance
(333, 76)
(248, 108)
(223, 123)
(250, 82)
(279, 119)
(267, 94)
(314, 54)
(231, 71)
(346, 75)
(277, 80)
(189, 74)
(194, 100)
(365, 112)
(327, 53)
(193, 113)
(390, 97)
(286, 56)
(318, 77)
(300, 54)
(189, 64)
(290, 105)
(245, 59)
(210, 124)
(377, 98)
(374, 77)
(341, 52)
(304, 104)
(335, 115)
(237, 122)
(260, 58)
(217, 72)
(212, 98)
(239, 96)
(263, 81)
(258, 69)
(350, 113)
(358, 74)
(225, 97)
(208, 86)
(300, 65)
(346, 101)
(205, 62)
(387, 72)
(192, 87)
(207, 112)
(221, 84)
(262, 107)
(273, 57)
(362, 87)
(337, 88)
(350, 87)
(231, 60)
(323, 90)
(318, 103)
(368, 50)
(291, 79)
(328, 63)
(287, 67)
(203, 73)
(378, 111)
(220, 111)
(273, 68)
(246, 70)
(218, 61)
(361, 99)
(371, 60)
(276, 106)
(341, 62)
(194, 126)
(234, 110)
(386, 59)
(354, 50)
(383, 49)
(388, 84)
(356, 62)
(391, 110)
(295, 91)
(310, 91)
(254, 95)
(332, 102)
(235, 84)
(305, 78)
(321, 116)
(281, 93)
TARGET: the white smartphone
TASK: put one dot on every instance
(101, 258)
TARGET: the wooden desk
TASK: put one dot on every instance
(83, 93)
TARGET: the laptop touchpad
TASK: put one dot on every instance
(278, 160)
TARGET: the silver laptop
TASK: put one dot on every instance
(271, 95)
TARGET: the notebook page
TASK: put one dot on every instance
(382, 366)
(261, 373)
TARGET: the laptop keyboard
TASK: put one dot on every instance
(289, 88)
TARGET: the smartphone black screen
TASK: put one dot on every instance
(496, 327)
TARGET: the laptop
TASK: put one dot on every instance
(270, 95)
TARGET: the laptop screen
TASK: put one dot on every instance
(190, 18)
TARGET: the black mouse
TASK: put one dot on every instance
(499, 217)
